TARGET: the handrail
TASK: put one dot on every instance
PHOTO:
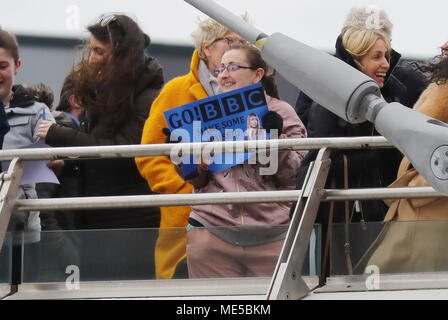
(120, 202)
(160, 200)
(130, 151)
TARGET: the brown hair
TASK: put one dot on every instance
(437, 70)
(107, 89)
(9, 42)
(255, 60)
(68, 89)
(42, 93)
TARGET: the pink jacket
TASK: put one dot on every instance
(246, 177)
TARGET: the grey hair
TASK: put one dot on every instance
(369, 17)
(208, 31)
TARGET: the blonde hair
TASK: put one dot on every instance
(208, 31)
(359, 41)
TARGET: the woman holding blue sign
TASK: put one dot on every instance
(245, 239)
(211, 41)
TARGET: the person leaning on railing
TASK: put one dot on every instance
(211, 40)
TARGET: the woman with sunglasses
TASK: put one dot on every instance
(115, 85)
(244, 240)
(211, 40)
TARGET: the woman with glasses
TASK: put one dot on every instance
(211, 40)
(115, 84)
(244, 240)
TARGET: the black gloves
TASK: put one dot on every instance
(167, 132)
(272, 120)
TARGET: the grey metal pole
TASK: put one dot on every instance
(132, 151)
(356, 99)
(233, 22)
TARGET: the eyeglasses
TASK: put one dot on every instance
(231, 68)
(231, 41)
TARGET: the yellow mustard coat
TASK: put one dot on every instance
(161, 173)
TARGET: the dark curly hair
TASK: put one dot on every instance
(437, 70)
(107, 89)
(68, 89)
(42, 93)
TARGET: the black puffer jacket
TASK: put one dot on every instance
(119, 176)
(366, 168)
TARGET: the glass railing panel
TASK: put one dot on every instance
(6, 261)
(390, 248)
(91, 255)
(120, 255)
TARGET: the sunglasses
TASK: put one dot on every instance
(105, 19)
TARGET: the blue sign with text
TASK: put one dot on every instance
(231, 116)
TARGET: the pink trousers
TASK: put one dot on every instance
(210, 257)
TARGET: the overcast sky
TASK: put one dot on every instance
(419, 26)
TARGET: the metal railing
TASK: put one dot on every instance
(296, 243)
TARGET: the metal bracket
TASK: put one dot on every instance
(287, 282)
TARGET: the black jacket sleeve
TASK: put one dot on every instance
(302, 107)
(129, 133)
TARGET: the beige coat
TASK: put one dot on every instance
(415, 238)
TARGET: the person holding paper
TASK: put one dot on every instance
(238, 240)
(211, 40)
(23, 114)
